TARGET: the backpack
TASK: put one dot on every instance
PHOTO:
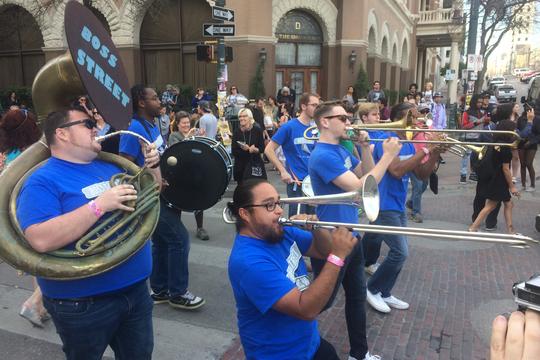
(484, 168)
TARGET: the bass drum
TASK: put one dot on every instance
(198, 171)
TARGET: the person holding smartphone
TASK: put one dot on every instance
(247, 147)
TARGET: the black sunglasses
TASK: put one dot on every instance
(342, 118)
(88, 123)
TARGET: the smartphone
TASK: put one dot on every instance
(241, 143)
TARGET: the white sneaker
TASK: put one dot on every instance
(530, 189)
(372, 268)
(367, 357)
(376, 301)
(396, 303)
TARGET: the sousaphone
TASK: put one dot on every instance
(92, 66)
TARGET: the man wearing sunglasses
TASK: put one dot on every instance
(276, 302)
(334, 170)
(59, 203)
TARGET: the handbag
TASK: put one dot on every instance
(254, 168)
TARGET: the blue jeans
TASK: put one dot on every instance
(295, 190)
(121, 319)
(418, 188)
(170, 252)
(384, 279)
(351, 277)
(465, 163)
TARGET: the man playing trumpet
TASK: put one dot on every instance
(333, 170)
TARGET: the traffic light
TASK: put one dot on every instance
(208, 53)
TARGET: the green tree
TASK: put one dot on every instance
(361, 86)
(256, 85)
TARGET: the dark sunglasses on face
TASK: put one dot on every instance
(342, 118)
(88, 123)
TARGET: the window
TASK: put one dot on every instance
(300, 38)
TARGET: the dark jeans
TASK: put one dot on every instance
(384, 279)
(351, 277)
(479, 203)
(170, 252)
(295, 190)
(326, 351)
(122, 320)
(418, 188)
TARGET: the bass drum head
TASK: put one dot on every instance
(197, 174)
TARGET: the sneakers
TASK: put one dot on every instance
(473, 177)
(367, 357)
(160, 297)
(490, 228)
(530, 189)
(188, 301)
(463, 179)
(202, 234)
(394, 302)
(376, 301)
(514, 180)
(372, 268)
(417, 218)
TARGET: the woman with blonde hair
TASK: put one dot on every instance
(247, 147)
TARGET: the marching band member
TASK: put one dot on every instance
(57, 205)
(297, 150)
(393, 194)
(276, 302)
(334, 170)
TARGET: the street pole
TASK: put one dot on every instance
(221, 84)
(473, 31)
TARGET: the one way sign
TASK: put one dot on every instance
(219, 13)
(216, 30)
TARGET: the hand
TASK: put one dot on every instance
(115, 197)
(363, 139)
(151, 155)
(253, 149)
(516, 338)
(286, 177)
(530, 115)
(244, 147)
(343, 242)
(392, 146)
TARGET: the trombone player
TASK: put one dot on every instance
(334, 170)
(393, 194)
(58, 204)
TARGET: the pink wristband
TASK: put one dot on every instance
(425, 150)
(95, 208)
(336, 260)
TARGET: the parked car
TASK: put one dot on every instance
(533, 93)
(505, 93)
(520, 71)
(496, 81)
(529, 76)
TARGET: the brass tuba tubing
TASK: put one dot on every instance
(120, 132)
(514, 240)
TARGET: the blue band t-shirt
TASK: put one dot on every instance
(393, 191)
(59, 187)
(261, 273)
(296, 149)
(130, 145)
(327, 162)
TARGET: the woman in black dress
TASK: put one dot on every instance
(247, 147)
(500, 188)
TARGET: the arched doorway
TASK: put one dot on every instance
(21, 42)
(299, 52)
(170, 31)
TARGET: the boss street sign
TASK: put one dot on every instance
(217, 30)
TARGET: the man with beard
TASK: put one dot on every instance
(59, 203)
(333, 170)
(276, 302)
(170, 241)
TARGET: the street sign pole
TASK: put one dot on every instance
(221, 84)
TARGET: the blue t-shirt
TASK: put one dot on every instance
(327, 162)
(130, 145)
(59, 187)
(295, 148)
(261, 273)
(393, 191)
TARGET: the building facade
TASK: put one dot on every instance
(311, 45)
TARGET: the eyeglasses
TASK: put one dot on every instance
(313, 104)
(269, 206)
(88, 123)
(342, 118)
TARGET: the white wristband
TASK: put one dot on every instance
(425, 150)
